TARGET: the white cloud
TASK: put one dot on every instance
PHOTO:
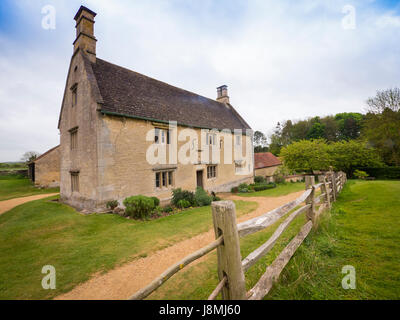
(281, 59)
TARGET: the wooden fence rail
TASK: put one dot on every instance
(231, 268)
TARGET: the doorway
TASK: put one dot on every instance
(200, 178)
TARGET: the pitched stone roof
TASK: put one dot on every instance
(46, 153)
(128, 93)
(265, 160)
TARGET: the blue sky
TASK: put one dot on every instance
(280, 59)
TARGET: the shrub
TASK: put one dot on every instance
(243, 186)
(382, 173)
(156, 201)
(259, 180)
(112, 204)
(360, 174)
(202, 198)
(244, 190)
(179, 194)
(139, 207)
(182, 204)
(235, 190)
(262, 187)
(168, 209)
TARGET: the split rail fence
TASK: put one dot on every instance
(231, 267)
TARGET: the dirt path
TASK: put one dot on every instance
(123, 281)
(9, 204)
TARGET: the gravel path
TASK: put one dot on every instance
(123, 281)
(9, 204)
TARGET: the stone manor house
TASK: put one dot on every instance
(107, 115)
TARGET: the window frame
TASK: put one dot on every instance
(164, 179)
(73, 140)
(74, 181)
(211, 172)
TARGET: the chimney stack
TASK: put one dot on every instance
(85, 39)
(222, 92)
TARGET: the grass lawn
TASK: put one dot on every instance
(43, 233)
(15, 187)
(280, 190)
(362, 230)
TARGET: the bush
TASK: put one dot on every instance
(112, 204)
(244, 190)
(263, 187)
(156, 201)
(202, 198)
(243, 186)
(382, 173)
(361, 174)
(168, 209)
(179, 194)
(139, 207)
(235, 190)
(182, 204)
(259, 180)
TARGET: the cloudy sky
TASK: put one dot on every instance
(280, 59)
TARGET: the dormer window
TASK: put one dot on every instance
(74, 93)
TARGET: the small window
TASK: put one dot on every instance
(164, 179)
(210, 139)
(161, 136)
(74, 91)
(74, 138)
(75, 181)
(238, 140)
(211, 172)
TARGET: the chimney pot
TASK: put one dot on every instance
(222, 94)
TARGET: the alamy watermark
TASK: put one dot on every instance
(171, 146)
(49, 281)
(349, 280)
(49, 18)
(349, 21)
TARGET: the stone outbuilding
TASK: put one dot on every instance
(265, 165)
(45, 170)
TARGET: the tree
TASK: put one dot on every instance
(260, 142)
(347, 155)
(382, 125)
(29, 156)
(385, 99)
(307, 155)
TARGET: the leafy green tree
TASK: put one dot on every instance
(347, 155)
(260, 142)
(307, 155)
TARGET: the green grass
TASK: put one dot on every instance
(15, 187)
(280, 190)
(362, 230)
(43, 233)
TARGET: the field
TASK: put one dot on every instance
(362, 230)
(15, 187)
(45, 232)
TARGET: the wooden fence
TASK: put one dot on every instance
(231, 267)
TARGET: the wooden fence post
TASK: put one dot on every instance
(229, 258)
(310, 182)
(334, 189)
(325, 189)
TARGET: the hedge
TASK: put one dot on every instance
(382, 173)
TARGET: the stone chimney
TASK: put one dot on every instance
(222, 92)
(85, 39)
